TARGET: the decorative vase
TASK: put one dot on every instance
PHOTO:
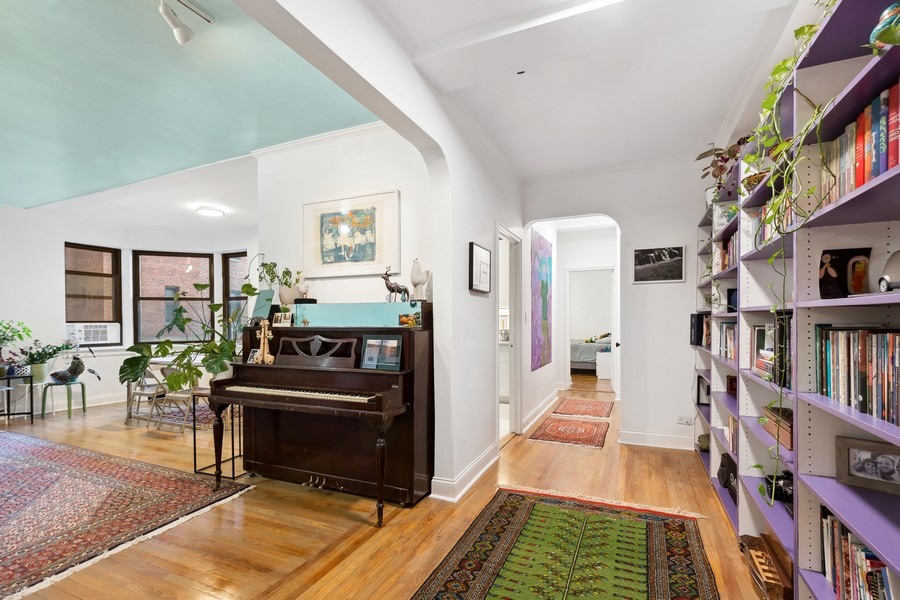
(287, 295)
(40, 371)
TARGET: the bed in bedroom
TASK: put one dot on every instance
(595, 357)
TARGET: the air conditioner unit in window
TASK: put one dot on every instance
(94, 333)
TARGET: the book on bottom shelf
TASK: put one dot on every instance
(853, 570)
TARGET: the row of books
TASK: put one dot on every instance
(727, 254)
(860, 368)
(772, 351)
(701, 333)
(727, 340)
(855, 573)
(761, 228)
(730, 431)
(868, 147)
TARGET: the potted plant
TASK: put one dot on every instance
(288, 280)
(39, 355)
(215, 352)
(10, 332)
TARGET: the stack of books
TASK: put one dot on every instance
(854, 571)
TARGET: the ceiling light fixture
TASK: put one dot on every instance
(209, 211)
(182, 32)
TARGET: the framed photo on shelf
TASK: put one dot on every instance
(251, 357)
(381, 352)
(282, 319)
(352, 236)
(659, 265)
(479, 268)
(867, 464)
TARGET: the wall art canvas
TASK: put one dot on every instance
(352, 236)
(541, 300)
(659, 265)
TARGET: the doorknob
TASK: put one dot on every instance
(618, 344)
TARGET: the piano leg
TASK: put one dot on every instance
(380, 447)
(218, 430)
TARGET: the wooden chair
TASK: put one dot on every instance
(179, 400)
(149, 389)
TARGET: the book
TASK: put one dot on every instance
(893, 126)
(883, 114)
(860, 149)
(875, 126)
(867, 146)
(850, 132)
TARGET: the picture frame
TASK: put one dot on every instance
(479, 268)
(659, 265)
(251, 357)
(381, 352)
(283, 319)
(867, 464)
(352, 236)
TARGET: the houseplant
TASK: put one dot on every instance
(39, 355)
(270, 274)
(214, 352)
(10, 332)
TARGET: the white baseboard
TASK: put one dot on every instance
(532, 417)
(452, 490)
(643, 438)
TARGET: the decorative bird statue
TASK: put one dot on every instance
(76, 367)
(418, 278)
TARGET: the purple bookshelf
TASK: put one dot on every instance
(727, 503)
(751, 376)
(704, 458)
(702, 349)
(705, 410)
(727, 231)
(705, 374)
(780, 522)
(785, 243)
(719, 434)
(842, 35)
(729, 273)
(871, 515)
(728, 362)
(818, 586)
(768, 440)
(878, 299)
(766, 308)
(873, 202)
(706, 221)
(884, 430)
(727, 401)
(762, 193)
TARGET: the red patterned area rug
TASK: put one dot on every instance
(63, 507)
(581, 432)
(529, 544)
(584, 408)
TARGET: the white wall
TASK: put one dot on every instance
(656, 363)
(36, 294)
(471, 190)
(590, 303)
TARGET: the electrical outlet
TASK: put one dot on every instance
(685, 421)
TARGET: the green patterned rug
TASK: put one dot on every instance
(530, 545)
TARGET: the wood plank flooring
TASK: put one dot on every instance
(284, 541)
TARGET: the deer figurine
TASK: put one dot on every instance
(394, 288)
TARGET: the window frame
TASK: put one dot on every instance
(115, 276)
(137, 298)
(226, 287)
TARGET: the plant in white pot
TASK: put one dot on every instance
(11, 332)
(288, 280)
(39, 356)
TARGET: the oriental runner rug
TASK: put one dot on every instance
(581, 432)
(526, 544)
(584, 408)
(63, 507)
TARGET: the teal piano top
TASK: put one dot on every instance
(362, 314)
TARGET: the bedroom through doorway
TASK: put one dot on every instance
(591, 323)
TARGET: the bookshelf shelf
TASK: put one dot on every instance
(781, 523)
(761, 194)
(705, 374)
(705, 284)
(727, 362)
(704, 457)
(706, 221)
(886, 299)
(751, 376)
(871, 515)
(729, 273)
(704, 250)
(874, 201)
(727, 503)
(728, 402)
(719, 434)
(818, 586)
(702, 349)
(884, 430)
(783, 243)
(765, 308)
(768, 440)
(705, 412)
(728, 230)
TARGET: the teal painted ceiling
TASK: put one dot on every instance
(96, 94)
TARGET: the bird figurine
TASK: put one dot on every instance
(75, 369)
(418, 278)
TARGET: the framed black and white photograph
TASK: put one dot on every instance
(282, 319)
(659, 265)
(251, 357)
(868, 464)
(381, 352)
(479, 268)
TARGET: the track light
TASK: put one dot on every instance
(182, 32)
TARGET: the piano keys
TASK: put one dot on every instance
(361, 431)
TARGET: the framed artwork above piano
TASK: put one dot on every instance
(365, 431)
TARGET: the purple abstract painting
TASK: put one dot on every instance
(541, 296)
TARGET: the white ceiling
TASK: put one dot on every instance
(641, 81)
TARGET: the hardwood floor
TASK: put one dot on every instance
(283, 541)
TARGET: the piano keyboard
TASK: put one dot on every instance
(296, 393)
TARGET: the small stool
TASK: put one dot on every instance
(6, 391)
(68, 386)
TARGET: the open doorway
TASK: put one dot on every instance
(591, 323)
(508, 256)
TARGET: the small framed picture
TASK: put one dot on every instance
(659, 265)
(868, 464)
(479, 268)
(251, 358)
(381, 352)
(282, 319)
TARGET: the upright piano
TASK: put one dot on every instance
(317, 417)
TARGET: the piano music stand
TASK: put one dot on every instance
(211, 469)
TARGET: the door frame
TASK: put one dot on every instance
(515, 329)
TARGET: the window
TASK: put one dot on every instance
(234, 269)
(159, 277)
(93, 294)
